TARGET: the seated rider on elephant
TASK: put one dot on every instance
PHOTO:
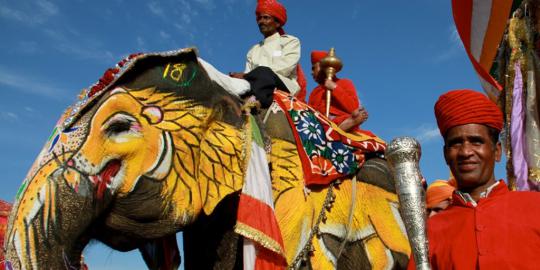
(273, 62)
(345, 107)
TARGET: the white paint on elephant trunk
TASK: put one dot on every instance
(364, 233)
(116, 180)
(339, 230)
(304, 234)
(327, 252)
(162, 166)
(18, 246)
(38, 203)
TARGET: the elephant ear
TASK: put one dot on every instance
(175, 72)
(161, 253)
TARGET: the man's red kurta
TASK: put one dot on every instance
(344, 100)
(501, 232)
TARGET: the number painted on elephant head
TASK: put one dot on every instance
(176, 72)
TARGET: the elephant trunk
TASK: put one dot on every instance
(50, 222)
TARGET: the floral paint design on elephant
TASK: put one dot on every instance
(37, 195)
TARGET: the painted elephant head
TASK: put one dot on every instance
(123, 164)
(153, 148)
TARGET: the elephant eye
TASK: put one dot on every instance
(119, 124)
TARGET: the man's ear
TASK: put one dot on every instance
(498, 151)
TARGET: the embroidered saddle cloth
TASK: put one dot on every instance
(327, 153)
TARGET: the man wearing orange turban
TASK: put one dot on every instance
(345, 108)
(486, 226)
(278, 51)
(439, 196)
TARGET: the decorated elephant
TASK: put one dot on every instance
(156, 147)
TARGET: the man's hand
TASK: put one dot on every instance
(357, 117)
(361, 115)
(329, 84)
(238, 75)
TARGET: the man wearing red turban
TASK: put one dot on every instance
(345, 108)
(486, 226)
(278, 51)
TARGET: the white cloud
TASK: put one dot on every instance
(27, 47)
(8, 13)
(186, 33)
(156, 9)
(35, 14)
(454, 36)
(28, 84)
(207, 4)
(186, 18)
(456, 46)
(9, 116)
(141, 43)
(47, 7)
(83, 48)
(164, 34)
(426, 133)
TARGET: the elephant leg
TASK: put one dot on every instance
(211, 243)
(161, 254)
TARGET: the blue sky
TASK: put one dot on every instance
(401, 56)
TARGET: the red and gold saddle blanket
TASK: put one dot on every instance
(327, 152)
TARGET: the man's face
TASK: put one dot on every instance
(438, 207)
(268, 25)
(471, 155)
(316, 73)
(315, 69)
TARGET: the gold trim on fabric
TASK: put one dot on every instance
(259, 237)
(534, 175)
(354, 136)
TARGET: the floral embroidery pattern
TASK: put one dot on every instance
(326, 154)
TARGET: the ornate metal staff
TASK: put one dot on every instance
(403, 154)
(331, 65)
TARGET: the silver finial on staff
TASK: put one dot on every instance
(403, 155)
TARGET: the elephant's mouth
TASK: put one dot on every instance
(104, 179)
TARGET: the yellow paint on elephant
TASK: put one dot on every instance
(160, 136)
(118, 131)
(40, 193)
(288, 187)
(220, 172)
(375, 219)
(199, 160)
(375, 222)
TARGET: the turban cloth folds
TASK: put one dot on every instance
(461, 107)
(317, 56)
(439, 191)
